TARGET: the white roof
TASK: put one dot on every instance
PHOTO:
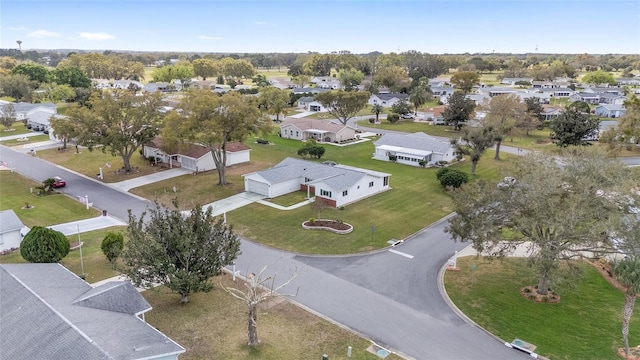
(403, 150)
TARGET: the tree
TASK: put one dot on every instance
(35, 72)
(301, 80)
(532, 119)
(43, 245)
(458, 111)
(206, 68)
(275, 100)
(377, 109)
(401, 107)
(312, 149)
(350, 78)
(477, 141)
(627, 272)
(180, 252)
(553, 206)
(258, 289)
(452, 177)
(627, 130)
(64, 129)
(213, 121)
(62, 93)
(418, 97)
(393, 77)
(502, 114)
(580, 106)
(465, 80)
(112, 246)
(8, 115)
(72, 76)
(599, 77)
(237, 68)
(343, 104)
(573, 127)
(119, 120)
(169, 73)
(17, 86)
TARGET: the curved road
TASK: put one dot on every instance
(389, 297)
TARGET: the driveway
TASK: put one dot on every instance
(233, 202)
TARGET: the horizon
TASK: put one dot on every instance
(221, 26)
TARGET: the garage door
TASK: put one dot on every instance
(257, 187)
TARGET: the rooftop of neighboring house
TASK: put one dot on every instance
(308, 124)
(418, 141)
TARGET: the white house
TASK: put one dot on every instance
(387, 100)
(589, 98)
(313, 129)
(412, 149)
(303, 102)
(10, 226)
(195, 157)
(610, 110)
(336, 185)
(48, 312)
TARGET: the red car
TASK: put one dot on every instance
(59, 182)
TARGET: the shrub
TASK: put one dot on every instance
(422, 163)
(312, 220)
(453, 178)
(43, 245)
(393, 158)
(393, 118)
(441, 172)
(112, 246)
(262, 141)
(372, 120)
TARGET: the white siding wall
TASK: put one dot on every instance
(238, 157)
(358, 191)
(292, 132)
(284, 188)
(10, 240)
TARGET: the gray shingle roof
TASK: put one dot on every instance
(119, 296)
(418, 141)
(386, 97)
(308, 90)
(40, 321)
(9, 221)
(336, 177)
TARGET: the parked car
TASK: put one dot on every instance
(407, 116)
(59, 182)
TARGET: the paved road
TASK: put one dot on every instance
(388, 297)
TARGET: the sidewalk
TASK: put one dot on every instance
(96, 223)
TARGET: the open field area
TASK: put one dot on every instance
(45, 210)
(585, 324)
(89, 163)
(214, 326)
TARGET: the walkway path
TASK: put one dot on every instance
(127, 185)
(95, 223)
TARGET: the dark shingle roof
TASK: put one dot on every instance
(41, 321)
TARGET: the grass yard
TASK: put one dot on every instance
(96, 266)
(290, 199)
(16, 129)
(89, 162)
(214, 326)
(46, 210)
(22, 144)
(585, 324)
(273, 72)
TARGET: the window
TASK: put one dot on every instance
(386, 181)
(371, 184)
(297, 133)
(344, 193)
(325, 193)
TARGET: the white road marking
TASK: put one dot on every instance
(401, 253)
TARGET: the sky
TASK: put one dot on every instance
(300, 26)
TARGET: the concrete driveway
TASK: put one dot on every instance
(233, 202)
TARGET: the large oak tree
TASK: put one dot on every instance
(503, 113)
(343, 104)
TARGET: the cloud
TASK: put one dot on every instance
(42, 34)
(205, 37)
(17, 28)
(96, 36)
(265, 23)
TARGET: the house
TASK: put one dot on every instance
(127, 84)
(435, 82)
(604, 90)
(608, 98)
(387, 100)
(308, 91)
(413, 149)
(610, 110)
(337, 185)
(48, 312)
(550, 112)
(318, 130)
(326, 82)
(303, 102)
(435, 114)
(195, 157)
(10, 226)
(159, 86)
(557, 92)
(628, 81)
(513, 81)
(589, 98)
(496, 91)
(442, 91)
(543, 98)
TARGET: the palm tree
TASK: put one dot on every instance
(418, 97)
(627, 272)
(377, 109)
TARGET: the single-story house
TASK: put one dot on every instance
(513, 81)
(439, 82)
(303, 102)
(10, 226)
(604, 89)
(558, 92)
(442, 90)
(608, 98)
(337, 185)
(318, 130)
(195, 157)
(550, 112)
(496, 91)
(543, 98)
(48, 312)
(628, 81)
(411, 149)
(159, 86)
(308, 91)
(387, 100)
(610, 110)
(126, 84)
(315, 106)
(435, 114)
(589, 98)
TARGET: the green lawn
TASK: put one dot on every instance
(585, 324)
(31, 140)
(45, 210)
(89, 162)
(16, 129)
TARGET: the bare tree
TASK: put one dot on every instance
(258, 289)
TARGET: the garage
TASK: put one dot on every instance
(257, 187)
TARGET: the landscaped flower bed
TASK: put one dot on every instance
(335, 226)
